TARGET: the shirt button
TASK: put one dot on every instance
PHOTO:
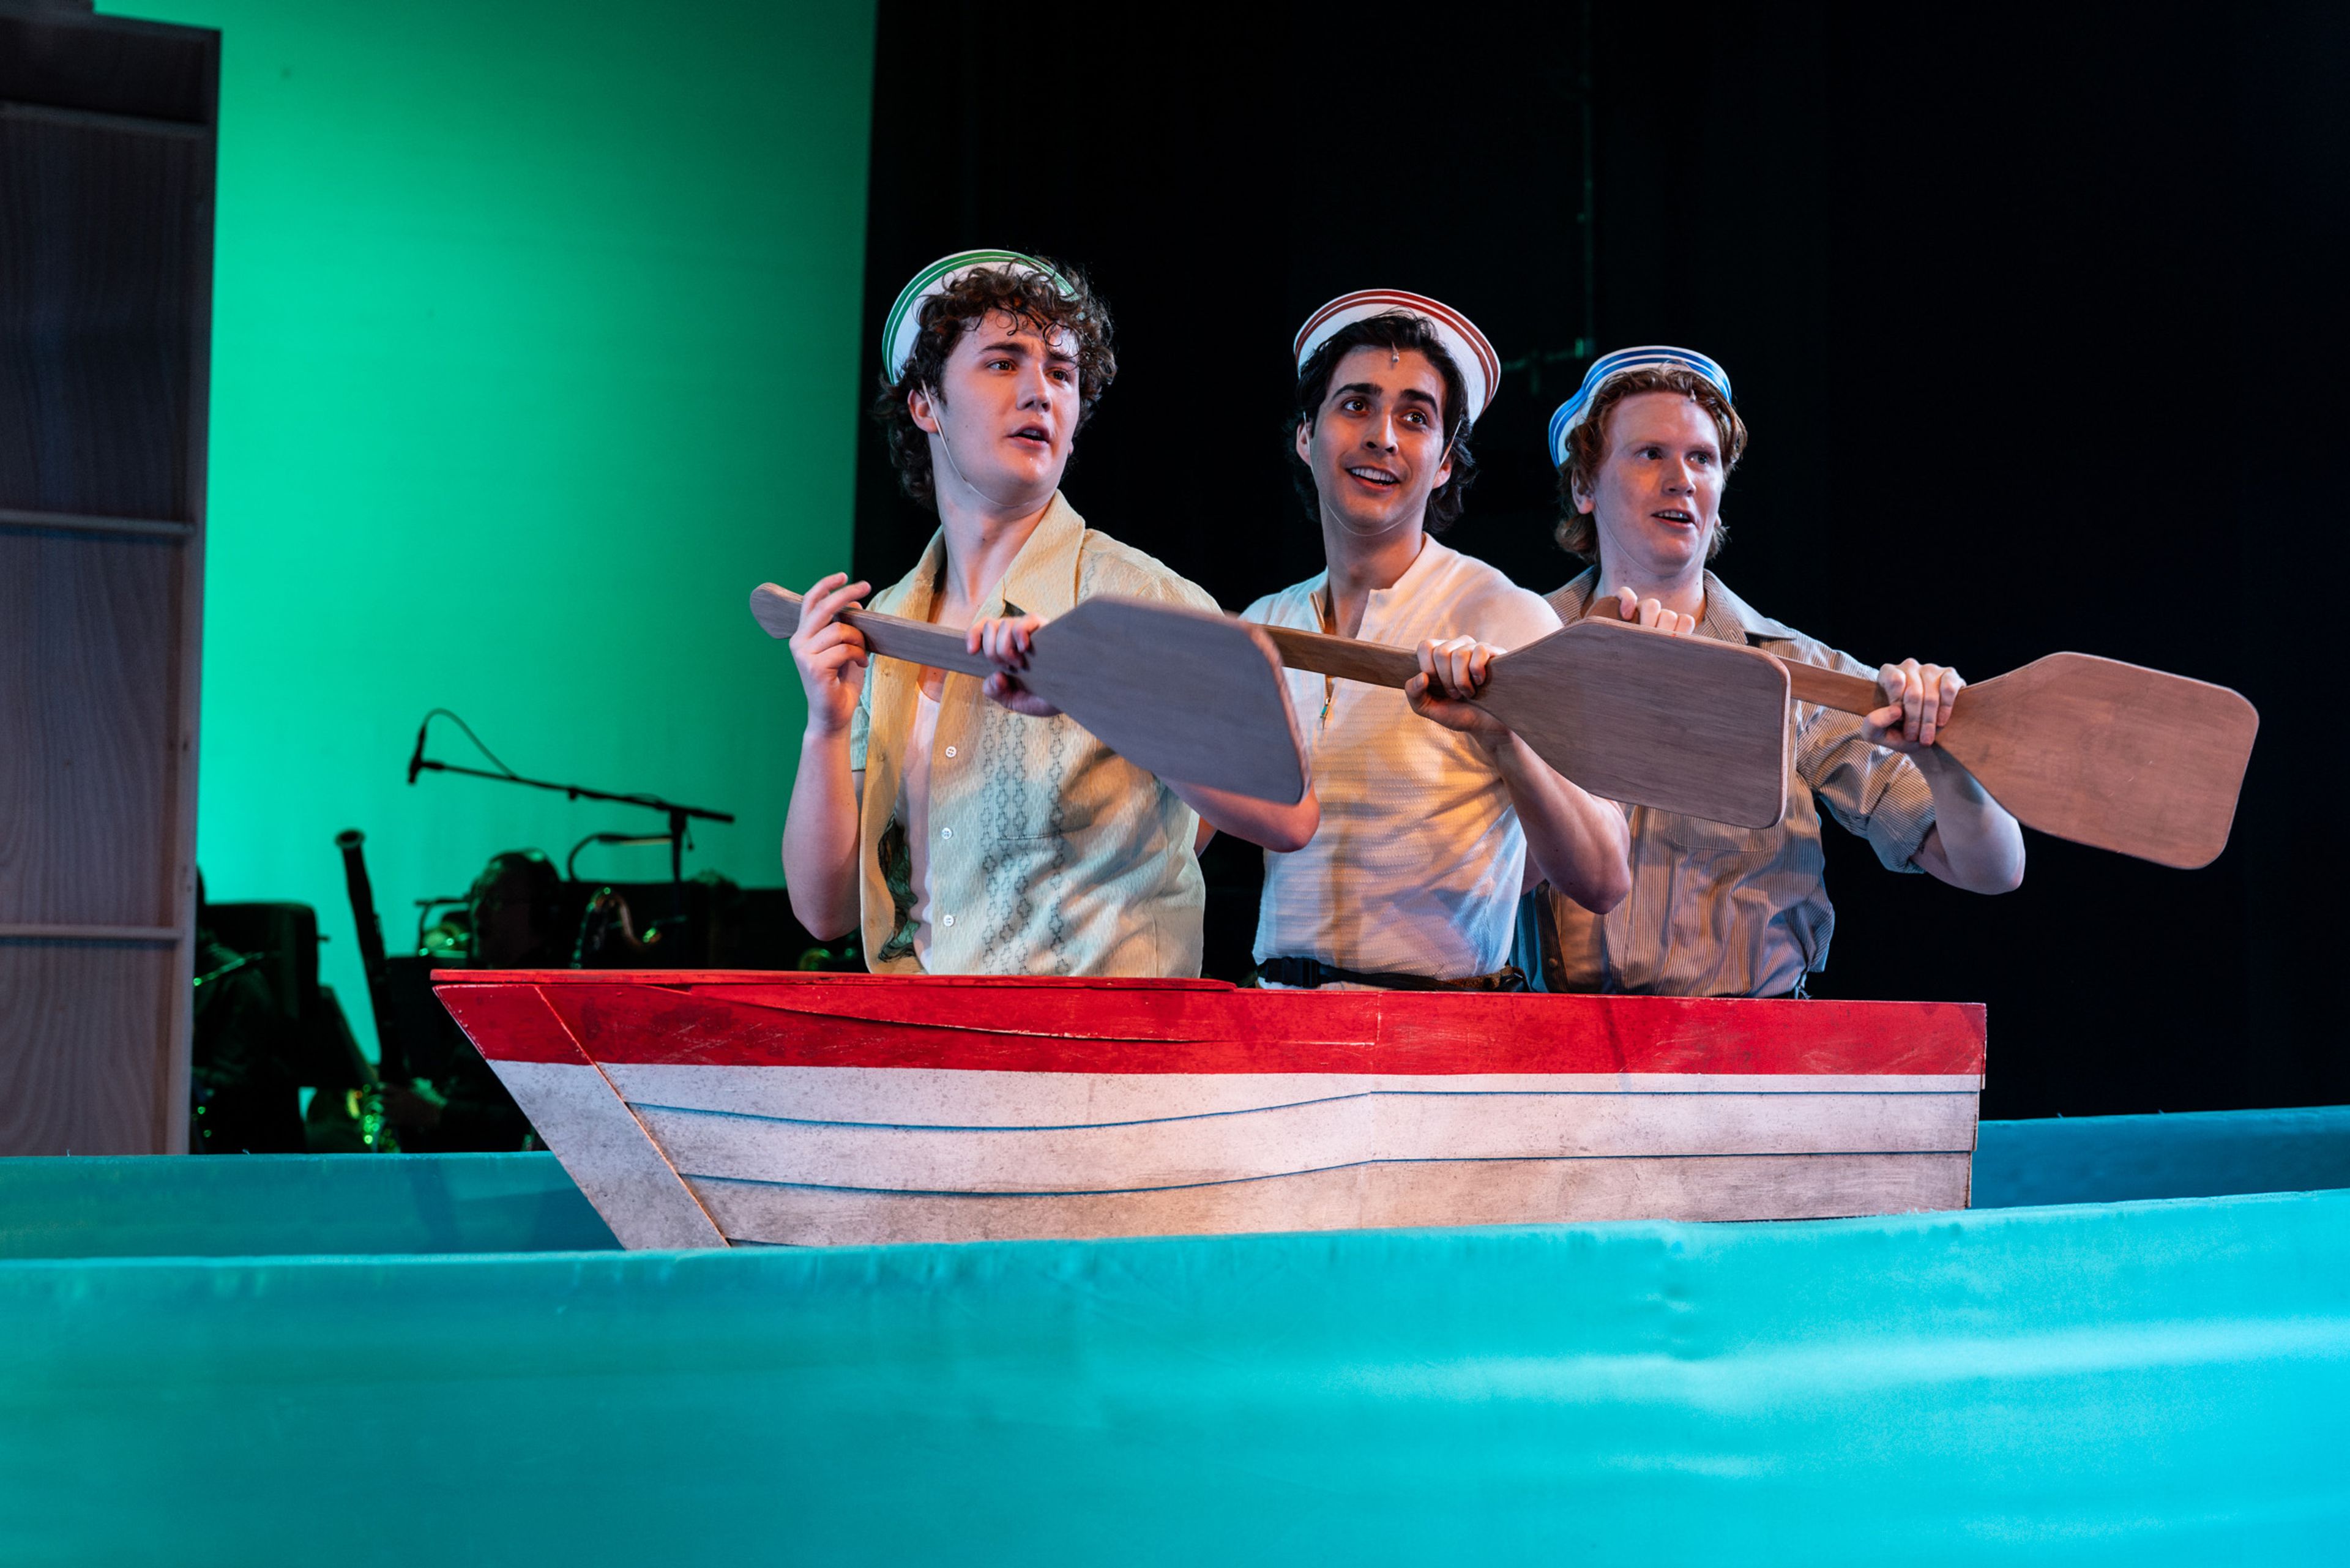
(950, 751)
(946, 833)
(946, 919)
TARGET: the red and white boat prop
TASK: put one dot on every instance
(718, 1108)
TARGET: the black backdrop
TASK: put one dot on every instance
(2033, 317)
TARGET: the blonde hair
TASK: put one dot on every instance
(1586, 449)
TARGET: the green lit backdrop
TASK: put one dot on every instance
(535, 338)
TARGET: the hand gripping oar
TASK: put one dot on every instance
(1186, 695)
(1679, 724)
(2105, 753)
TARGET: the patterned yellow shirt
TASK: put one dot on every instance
(1048, 853)
(1717, 910)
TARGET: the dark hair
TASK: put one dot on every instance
(1586, 449)
(1395, 331)
(972, 298)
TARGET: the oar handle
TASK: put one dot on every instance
(892, 637)
(1831, 687)
(1806, 683)
(1371, 663)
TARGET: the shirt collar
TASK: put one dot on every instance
(1042, 579)
(1427, 563)
(1433, 558)
(1728, 617)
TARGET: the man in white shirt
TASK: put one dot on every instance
(1433, 826)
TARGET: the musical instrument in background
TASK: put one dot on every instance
(391, 1056)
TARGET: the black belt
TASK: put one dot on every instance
(1308, 974)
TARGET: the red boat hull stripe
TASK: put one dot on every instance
(758, 1020)
(512, 1024)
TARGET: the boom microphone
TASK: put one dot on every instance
(416, 758)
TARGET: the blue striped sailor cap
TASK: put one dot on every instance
(1609, 366)
(904, 322)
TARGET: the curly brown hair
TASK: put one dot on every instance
(1394, 330)
(1024, 296)
(1587, 448)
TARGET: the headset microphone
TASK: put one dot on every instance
(948, 447)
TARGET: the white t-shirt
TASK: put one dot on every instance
(914, 811)
(1418, 864)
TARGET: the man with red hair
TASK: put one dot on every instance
(1643, 451)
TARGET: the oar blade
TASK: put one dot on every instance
(1179, 693)
(2109, 754)
(1682, 723)
(776, 610)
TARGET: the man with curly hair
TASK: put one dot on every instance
(1643, 451)
(969, 827)
(1428, 828)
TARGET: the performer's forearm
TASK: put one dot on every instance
(1577, 842)
(1280, 828)
(820, 838)
(1974, 844)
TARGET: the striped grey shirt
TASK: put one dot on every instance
(1717, 910)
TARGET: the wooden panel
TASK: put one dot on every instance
(90, 707)
(11, 517)
(98, 230)
(109, 65)
(85, 1048)
(1466, 1192)
(106, 211)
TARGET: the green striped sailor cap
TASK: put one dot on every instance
(905, 318)
(1473, 356)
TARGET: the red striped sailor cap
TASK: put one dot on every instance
(905, 318)
(1480, 367)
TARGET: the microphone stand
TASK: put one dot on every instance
(679, 816)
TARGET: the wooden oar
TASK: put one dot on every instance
(1679, 724)
(1186, 695)
(2109, 754)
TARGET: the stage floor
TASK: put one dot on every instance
(442, 1359)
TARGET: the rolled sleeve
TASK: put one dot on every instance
(1875, 794)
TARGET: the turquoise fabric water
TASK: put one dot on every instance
(229, 1206)
(2137, 1382)
(2203, 1153)
(2155, 1382)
